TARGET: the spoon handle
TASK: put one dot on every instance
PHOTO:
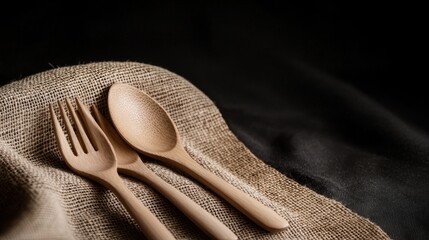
(149, 223)
(255, 210)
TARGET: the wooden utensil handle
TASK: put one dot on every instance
(208, 223)
(255, 210)
(150, 225)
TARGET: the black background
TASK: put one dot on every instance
(331, 94)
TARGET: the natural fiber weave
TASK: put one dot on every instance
(43, 199)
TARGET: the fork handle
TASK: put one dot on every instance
(208, 223)
(150, 225)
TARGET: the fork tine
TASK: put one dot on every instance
(59, 134)
(89, 121)
(86, 144)
(77, 147)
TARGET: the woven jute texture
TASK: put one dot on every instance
(41, 198)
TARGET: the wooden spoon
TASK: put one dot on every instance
(147, 127)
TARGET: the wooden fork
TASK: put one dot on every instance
(129, 163)
(98, 162)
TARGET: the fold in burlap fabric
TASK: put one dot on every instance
(43, 199)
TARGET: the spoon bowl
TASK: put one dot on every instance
(145, 123)
(147, 127)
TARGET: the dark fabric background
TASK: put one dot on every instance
(332, 95)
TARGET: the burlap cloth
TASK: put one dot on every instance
(41, 198)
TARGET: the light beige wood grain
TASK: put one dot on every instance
(148, 128)
(129, 163)
(97, 162)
